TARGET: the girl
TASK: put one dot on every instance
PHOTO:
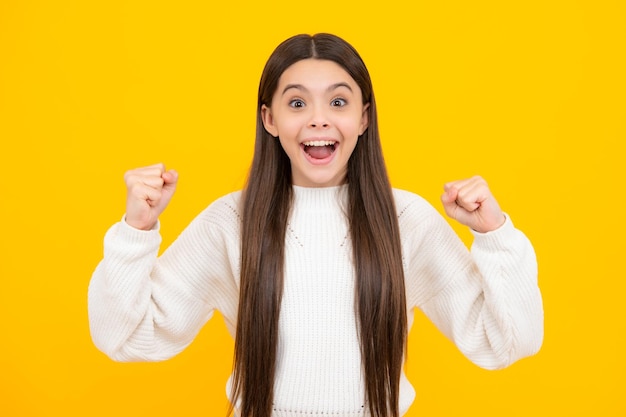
(318, 263)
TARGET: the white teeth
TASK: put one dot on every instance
(319, 143)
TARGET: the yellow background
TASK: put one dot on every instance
(529, 94)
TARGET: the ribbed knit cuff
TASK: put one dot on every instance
(125, 243)
(498, 239)
(157, 225)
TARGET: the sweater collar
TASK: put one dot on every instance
(320, 198)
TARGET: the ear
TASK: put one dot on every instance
(268, 120)
(365, 119)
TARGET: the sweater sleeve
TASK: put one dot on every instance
(487, 301)
(148, 308)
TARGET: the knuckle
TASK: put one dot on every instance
(462, 194)
(128, 175)
(480, 180)
(135, 191)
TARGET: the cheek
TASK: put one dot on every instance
(350, 128)
(289, 127)
(290, 144)
(283, 138)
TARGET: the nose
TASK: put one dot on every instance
(314, 124)
(319, 119)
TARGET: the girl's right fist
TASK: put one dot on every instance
(149, 190)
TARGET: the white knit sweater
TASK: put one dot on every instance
(144, 308)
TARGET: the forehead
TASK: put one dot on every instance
(311, 73)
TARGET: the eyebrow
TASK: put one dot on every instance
(330, 88)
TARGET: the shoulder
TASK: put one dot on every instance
(229, 202)
(223, 212)
(412, 206)
(417, 218)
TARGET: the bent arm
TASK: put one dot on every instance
(146, 308)
(487, 301)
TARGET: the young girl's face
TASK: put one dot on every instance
(317, 113)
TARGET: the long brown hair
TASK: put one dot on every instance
(380, 300)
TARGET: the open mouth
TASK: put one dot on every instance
(319, 149)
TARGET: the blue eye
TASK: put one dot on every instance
(338, 102)
(297, 103)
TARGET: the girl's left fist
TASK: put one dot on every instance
(471, 203)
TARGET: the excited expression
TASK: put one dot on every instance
(317, 113)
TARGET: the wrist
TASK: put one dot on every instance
(141, 226)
